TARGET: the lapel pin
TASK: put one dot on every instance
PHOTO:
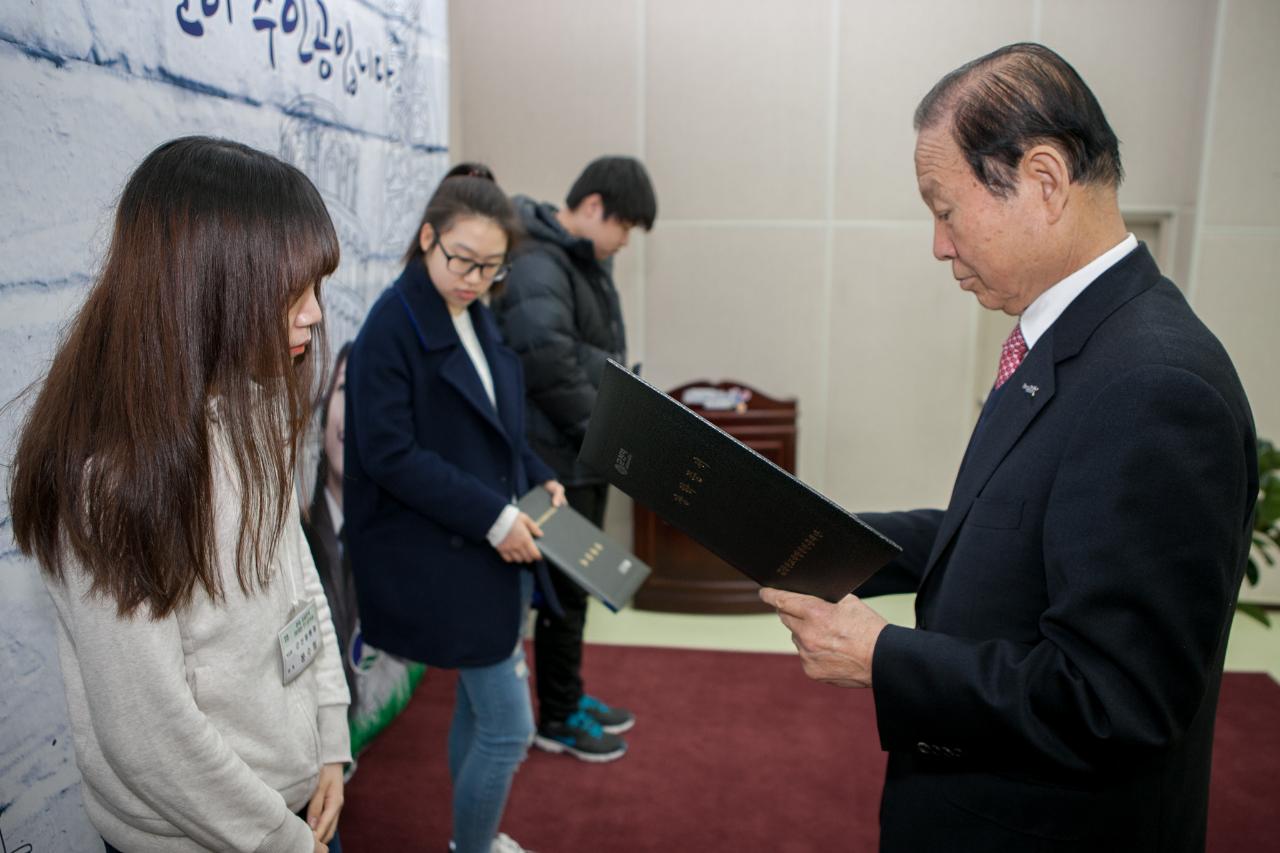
(1030, 389)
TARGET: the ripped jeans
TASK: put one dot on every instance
(491, 732)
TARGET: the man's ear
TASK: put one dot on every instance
(592, 206)
(1045, 171)
(426, 236)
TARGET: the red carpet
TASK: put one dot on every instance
(731, 751)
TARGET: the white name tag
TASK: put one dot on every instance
(299, 642)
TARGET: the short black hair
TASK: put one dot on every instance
(1024, 94)
(624, 187)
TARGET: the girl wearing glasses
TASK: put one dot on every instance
(435, 453)
(154, 483)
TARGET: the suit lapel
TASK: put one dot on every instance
(504, 368)
(434, 326)
(1033, 385)
(1025, 394)
(459, 372)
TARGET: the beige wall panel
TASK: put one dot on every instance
(743, 304)
(901, 337)
(617, 517)
(626, 276)
(1148, 62)
(891, 54)
(1184, 234)
(736, 108)
(1237, 298)
(545, 87)
(1243, 176)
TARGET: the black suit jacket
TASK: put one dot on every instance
(1074, 599)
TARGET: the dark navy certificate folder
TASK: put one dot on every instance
(721, 493)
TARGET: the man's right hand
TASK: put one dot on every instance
(837, 642)
(518, 546)
(321, 847)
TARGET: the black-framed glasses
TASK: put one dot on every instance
(462, 267)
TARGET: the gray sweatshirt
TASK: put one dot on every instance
(185, 735)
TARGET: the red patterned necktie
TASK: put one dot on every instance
(1011, 355)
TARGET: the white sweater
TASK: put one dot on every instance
(185, 735)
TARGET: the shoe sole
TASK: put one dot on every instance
(554, 746)
(619, 728)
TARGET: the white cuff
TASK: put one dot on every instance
(501, 527)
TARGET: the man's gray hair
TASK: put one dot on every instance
(1021, 95)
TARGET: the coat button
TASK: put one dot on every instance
(455, 541)
(502, 480)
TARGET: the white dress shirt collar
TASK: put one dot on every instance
(1042, 313)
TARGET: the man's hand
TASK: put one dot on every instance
(326, 804)
(556, 491)
(836, 641)
(518, 546)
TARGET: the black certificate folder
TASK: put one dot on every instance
(578, 548)
(742, 507)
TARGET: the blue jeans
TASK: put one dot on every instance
(491, 732)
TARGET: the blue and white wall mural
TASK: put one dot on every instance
(354, 92)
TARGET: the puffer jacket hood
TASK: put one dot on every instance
(540, 223)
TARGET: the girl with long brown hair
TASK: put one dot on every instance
(153, 482)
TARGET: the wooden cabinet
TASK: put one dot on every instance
(688, 578)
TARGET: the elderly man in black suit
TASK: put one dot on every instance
(1074, 599)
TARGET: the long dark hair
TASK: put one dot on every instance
(213, 242)
(468, 189)
(322, 405)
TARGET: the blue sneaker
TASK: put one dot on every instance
(612, 719)
(582, 737)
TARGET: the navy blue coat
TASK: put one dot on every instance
(429, 466)
(1074, 599)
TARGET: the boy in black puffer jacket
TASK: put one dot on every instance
(562, 315)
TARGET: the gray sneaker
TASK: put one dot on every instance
(582, 737)
(612, 719)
